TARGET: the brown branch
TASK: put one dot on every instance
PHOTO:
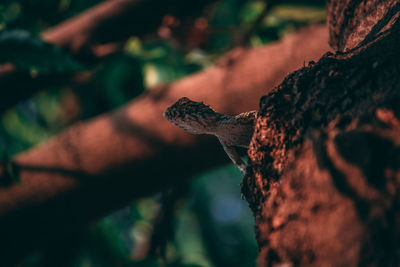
(116, 20)
(91, 35)
(78, 32)
(97, 166)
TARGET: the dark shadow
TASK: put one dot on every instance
(371, 153)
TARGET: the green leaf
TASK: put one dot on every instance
(27, 51)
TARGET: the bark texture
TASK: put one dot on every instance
(324, 179)
(353, 21)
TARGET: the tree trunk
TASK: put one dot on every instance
(324, 178)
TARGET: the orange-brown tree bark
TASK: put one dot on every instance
(102, 164)
(324, 180)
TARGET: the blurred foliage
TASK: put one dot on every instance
(212, 226)
(36, 16)
(27, 52)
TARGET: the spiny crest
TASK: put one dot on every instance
(246, 117)
(186, 108)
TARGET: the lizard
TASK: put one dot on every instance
(198, 118)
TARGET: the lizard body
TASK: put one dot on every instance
(198, 118)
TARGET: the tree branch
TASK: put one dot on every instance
(91, 35)
(102, 23)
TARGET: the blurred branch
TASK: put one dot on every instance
(109, 21)
(134, 151)
(91, 35)
(114, 21)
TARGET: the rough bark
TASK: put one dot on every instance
(323, 181)
(337, 203)
(352, 21)
(102, 164)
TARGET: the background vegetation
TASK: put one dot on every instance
(200, 226)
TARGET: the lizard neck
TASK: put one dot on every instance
(233, 131)
(216, 127)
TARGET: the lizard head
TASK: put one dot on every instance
(194, 117)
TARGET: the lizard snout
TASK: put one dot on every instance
(168, 114)
(165, 114)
